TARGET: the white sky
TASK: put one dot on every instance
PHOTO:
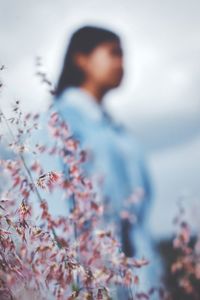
(159, 97)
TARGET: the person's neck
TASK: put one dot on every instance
(96, 92)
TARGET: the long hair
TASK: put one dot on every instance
(84, 40)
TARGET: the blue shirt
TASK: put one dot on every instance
(118, 157)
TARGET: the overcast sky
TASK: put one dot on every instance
(159, 96)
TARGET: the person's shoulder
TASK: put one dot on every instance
(68, 98)
(65, 105)
(70, 114)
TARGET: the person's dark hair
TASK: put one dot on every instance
(84, 40)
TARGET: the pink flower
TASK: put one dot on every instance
(49, 179)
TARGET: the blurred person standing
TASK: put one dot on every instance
(93, 65)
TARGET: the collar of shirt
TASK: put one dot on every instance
(86, 103)
(83, 101)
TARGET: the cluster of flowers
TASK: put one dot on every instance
(187, 265)
(63, 257)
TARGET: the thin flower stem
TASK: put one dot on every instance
(76, 238)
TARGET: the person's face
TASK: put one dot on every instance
(104, 65)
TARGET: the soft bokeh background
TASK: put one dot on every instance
(159, 98)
